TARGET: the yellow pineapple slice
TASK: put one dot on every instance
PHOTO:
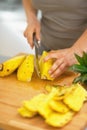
(45, 66)
(44, 108)
(26, 69)
(75, 98)
(58, 119)
(10, 65)
(26, 113)
(33, 104)
(30, 108)
(59, 106)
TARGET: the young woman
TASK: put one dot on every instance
(62, 30)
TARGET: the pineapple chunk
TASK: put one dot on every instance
(33, 104)
(45, 66)
(76, 97)
(56, 112)
(26, 113)
(26, 69)
(59, 120)
(58, 106)
(44, 108)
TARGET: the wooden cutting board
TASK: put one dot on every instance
(13, 92)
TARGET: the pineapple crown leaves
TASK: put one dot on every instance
(82, 60)
(81, 78)
(81, 68)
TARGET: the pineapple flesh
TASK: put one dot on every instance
(45, 66)
(26, 69)
(56, 113)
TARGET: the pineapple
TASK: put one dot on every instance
(55, 112)
(10, 65)
(45, 66)
(26, 69)
(80, 68)
(24, 112)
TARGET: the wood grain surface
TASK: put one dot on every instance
(13, 92)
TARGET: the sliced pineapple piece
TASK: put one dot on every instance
(44, 108)
(10, 65)
(59, 120)
(76, 97)
(25, 112)
(59, 106)
(56, 112)
(33, 104)
(45, 66)
(26, 69)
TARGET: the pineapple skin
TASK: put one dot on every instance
(26, 69)
(45, 67)
(10, 65)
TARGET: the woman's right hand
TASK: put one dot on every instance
(32, 27)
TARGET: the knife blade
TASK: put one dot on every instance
(37, 46)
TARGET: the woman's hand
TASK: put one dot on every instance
(64, 58)
(32, 27)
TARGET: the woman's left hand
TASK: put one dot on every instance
(64, 58)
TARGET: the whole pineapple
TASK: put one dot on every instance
(80, 68)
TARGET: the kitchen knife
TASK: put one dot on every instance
(37, 46)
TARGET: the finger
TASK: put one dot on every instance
(51, 55)
(56, 64)
(30, 39)
(59, 70)
(25, 33)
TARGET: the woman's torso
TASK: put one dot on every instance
(63, 21)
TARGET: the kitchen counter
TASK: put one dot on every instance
(13, 92)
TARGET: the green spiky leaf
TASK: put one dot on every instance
(78, 79)
(85, 58)
(78, 68)
(79, 59)
(84, 78)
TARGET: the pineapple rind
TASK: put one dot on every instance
(10, 65)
